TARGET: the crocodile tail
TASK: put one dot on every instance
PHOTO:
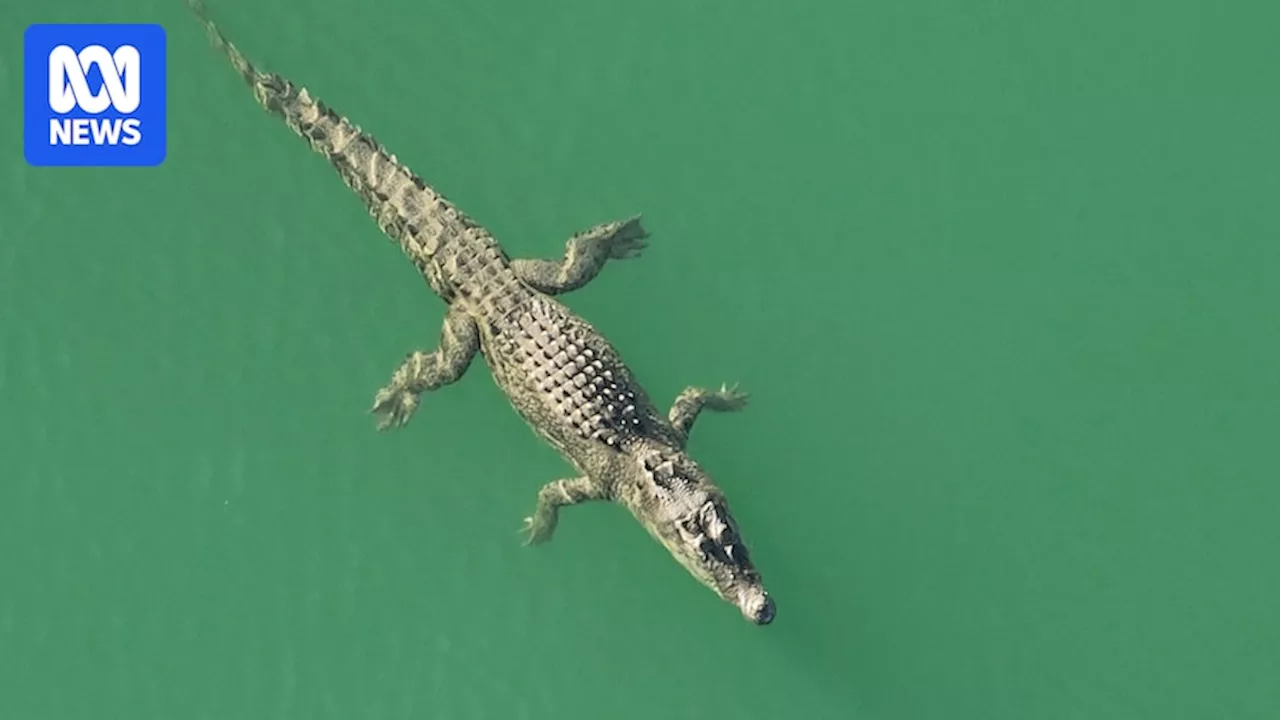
(400, 201)
(327, 132)
(406, 209)
(238, 60)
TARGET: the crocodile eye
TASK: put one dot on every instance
(690, 528)
(717, 523)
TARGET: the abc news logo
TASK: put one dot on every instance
(94, 95)
(69, 89)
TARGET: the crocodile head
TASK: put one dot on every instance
(689, 515)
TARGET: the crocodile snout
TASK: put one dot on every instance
(757, 606)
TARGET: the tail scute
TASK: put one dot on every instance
(405, 208)
(306, 117)
(238, 60)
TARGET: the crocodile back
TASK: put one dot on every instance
(568, 382)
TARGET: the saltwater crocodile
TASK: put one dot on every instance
(559, 373)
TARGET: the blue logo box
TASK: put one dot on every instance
(94, 95)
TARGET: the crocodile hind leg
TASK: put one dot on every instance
(693, 400)
(426, 371)
(585, 255)
(554, 495)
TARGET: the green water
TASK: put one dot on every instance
(1001, 277)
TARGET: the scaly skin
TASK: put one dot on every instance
(560, 374)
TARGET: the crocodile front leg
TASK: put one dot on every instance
(426, 371)
(693, 400)
(585, 255)
(554, 495)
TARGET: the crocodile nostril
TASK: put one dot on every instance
(766, 613)
(757, 606)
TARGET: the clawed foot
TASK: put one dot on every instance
(394, 407)
(538, 529)
(727, 399)
(628, 240)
